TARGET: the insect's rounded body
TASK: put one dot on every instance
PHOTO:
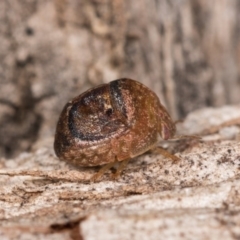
(111, 122)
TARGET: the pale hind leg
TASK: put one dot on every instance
(103, 169)
(121, 167)
(166, 154)
(106, 167)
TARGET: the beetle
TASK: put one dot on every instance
(111, 123)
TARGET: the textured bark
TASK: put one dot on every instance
(187, 51)
(42, 197)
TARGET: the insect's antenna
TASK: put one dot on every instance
(179, 137)
(178, 121)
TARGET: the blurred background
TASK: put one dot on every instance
(187, 51)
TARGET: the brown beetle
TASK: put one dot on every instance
(112, 123)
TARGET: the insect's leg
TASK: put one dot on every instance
(102, 170)
(122, 165)
(185, 137)
(165, 153)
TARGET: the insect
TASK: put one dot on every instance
(112, 123)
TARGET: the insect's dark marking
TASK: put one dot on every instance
(88, 119)
(76, 132)
(116, 95)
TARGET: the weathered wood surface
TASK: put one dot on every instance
(187, 51)
(44, 198)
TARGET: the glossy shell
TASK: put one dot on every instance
(111, 122)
